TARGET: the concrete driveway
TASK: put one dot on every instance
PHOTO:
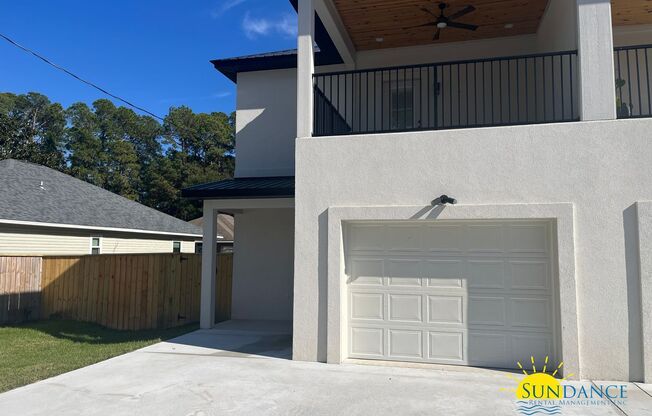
(245, 371)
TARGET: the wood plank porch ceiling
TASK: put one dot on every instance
(369, 20)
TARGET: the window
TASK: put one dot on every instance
(176, 247)
(96, 245)
(198, 247)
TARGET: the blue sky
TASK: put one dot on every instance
(154, 53)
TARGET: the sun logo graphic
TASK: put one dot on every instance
(539, 391)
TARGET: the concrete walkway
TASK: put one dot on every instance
(244, 371)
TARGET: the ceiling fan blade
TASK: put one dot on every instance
(423, 9)
(437, 33)
(423, 25)
(462, 26)
(464, 11)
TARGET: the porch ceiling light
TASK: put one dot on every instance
(509, 26)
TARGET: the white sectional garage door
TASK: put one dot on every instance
(469, 293)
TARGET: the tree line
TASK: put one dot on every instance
(119, 150)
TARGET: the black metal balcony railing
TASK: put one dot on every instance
(480, 93)
(633, 88)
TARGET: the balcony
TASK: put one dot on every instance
(515, 90)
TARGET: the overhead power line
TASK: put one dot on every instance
(97, 87)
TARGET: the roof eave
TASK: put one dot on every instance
(97, 228)
(208, 194)
(327, 55)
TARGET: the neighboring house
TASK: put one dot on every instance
(46, 212)
(340, 153)
(225, 232)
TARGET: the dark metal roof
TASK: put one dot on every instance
(230, 67)
(35, 193)
(262, 187)
(325, 54)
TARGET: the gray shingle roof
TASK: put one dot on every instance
(35, 193)
(225, 226)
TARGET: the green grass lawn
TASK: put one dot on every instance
(33, 351)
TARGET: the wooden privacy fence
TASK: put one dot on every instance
(20, 287)
(123, 291)
(134, 291)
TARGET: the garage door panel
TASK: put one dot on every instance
(445, 310)
(404, 238)
(367, 342)
(527, 238)
(486, 274)
(488, 349)
(445, 283)
(445, 346)
(444, 239)
(366, 272)
(444, 273)
(366, 238)
(404, 272)
(525, 346)
(530, 312)
(487, 238)
(452, 293)
(405, 308)
(405, 344)
(404, 282)
(529, 274)
(367, 306)
(485, 310)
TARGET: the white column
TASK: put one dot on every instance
(596, 60)
(208, 266)
(305, 67)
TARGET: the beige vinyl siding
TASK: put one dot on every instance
(126, 246)
(38, 241)
(21, 240)
(187, 246)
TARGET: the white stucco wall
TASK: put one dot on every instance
(602, 168)
(266, 123)
(263, 264)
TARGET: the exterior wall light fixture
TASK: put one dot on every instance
(444, 200)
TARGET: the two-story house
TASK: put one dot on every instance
(533, 116)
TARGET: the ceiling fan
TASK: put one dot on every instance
(442, 21)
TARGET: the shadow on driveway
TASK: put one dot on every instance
(232, 339)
